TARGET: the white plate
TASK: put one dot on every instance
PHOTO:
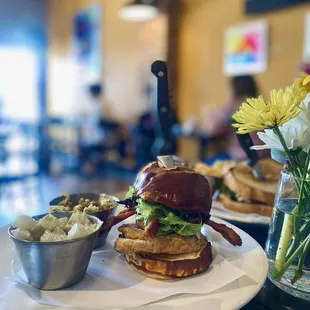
(250, 258)
(219, 211)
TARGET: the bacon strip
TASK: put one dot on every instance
(125, 211)
(123, 215)
(152, 227)
(229, 234)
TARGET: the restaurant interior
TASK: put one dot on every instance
(80, 100)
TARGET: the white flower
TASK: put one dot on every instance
(296, 133)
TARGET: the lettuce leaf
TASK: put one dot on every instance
(169, 221)
(227, 191)
(130, 192)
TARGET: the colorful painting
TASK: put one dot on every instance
(87, 43)
(245, 48)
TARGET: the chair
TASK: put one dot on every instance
(62, 143)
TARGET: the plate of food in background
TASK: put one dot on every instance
(237, 194)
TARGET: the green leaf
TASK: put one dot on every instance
(297, 276)
(304, 206)
(130, 192)
(226, 191)
(299, 273)
(170, 222)
(298, 152)
(303, 157)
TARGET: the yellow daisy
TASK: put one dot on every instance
(303, 82)
(258, 114)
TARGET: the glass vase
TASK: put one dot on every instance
(288, 242)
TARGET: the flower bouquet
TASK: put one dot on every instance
(283, 124)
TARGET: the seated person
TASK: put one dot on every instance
(220, 122)
(92, 135)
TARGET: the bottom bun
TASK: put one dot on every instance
(244, 207)
(159, 268)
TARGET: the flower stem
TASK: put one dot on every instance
(297, 238)
(279, 273)
(299, 271)
(297, 211)
(304, 184)
(289, 222)
(287, 151)
(305, 227)
(284, 243)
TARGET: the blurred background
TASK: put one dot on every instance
(78, 100)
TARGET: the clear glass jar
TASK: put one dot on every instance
(288, 243)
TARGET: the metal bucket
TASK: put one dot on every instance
(55, 265)
(103, 215)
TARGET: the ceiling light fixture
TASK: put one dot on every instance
(139, 11)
